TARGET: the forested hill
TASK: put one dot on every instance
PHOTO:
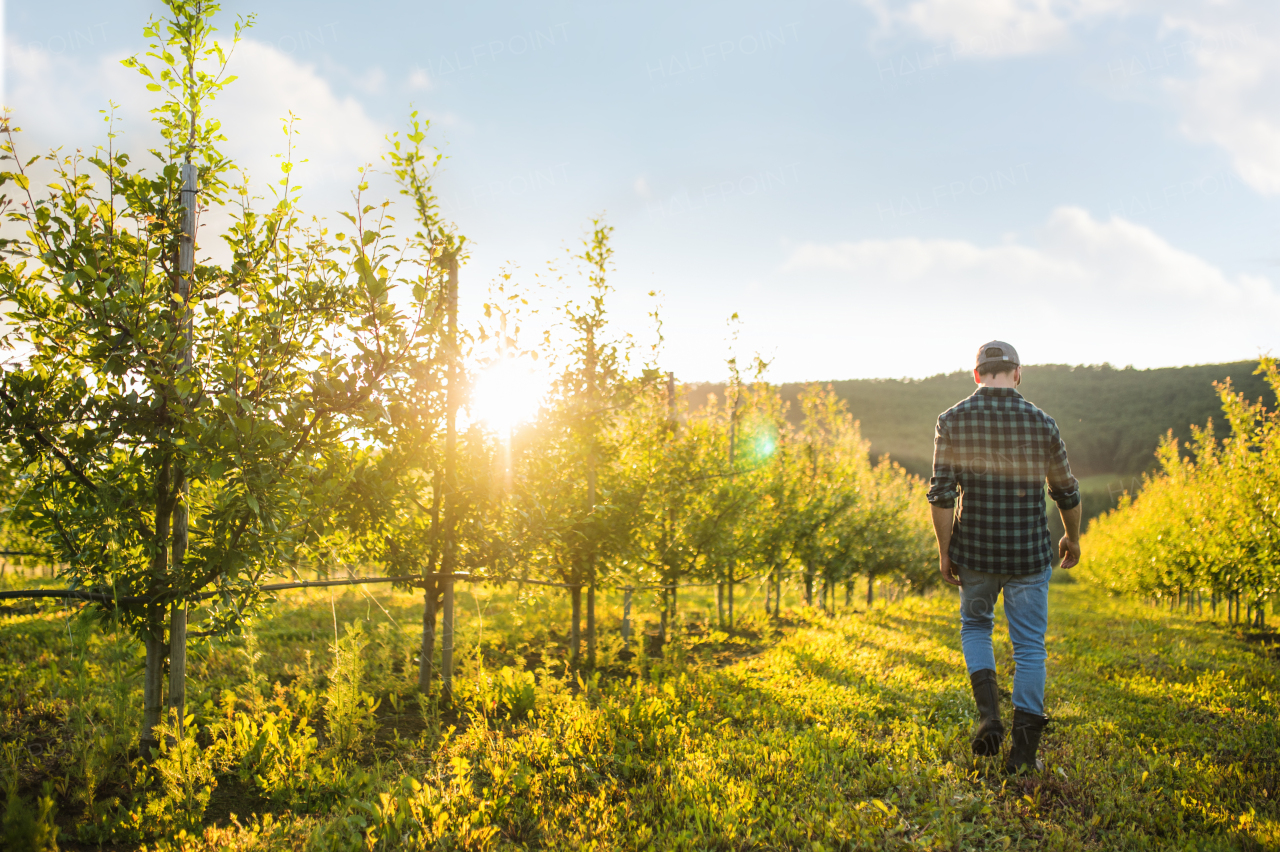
(1111, 419)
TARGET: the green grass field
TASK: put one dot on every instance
(816, 733)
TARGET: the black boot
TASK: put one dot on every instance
(1026, 742)
(986, 740)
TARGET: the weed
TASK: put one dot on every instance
(348, 709)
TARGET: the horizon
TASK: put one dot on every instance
(966, 372)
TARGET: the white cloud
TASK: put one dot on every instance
(336, 136)
(1219, 62)
(56, 100)
(1112, 289)
(419, 79)
(1230, 100)
(991, 27)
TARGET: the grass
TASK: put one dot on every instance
(816, 733)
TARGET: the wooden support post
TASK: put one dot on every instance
(178, 609)
(446, 641)
(591, 625)
(453, 401)
(731, 569)
(575, 636)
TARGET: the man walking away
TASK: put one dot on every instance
(992, 454)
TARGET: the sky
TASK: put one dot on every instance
(874, 187)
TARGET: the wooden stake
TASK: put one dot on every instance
(591, 625)
(453, 400)
(575, 637)
(731, 568)
(626, 616)
(446, 641)
(178, 609)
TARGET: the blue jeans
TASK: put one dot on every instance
(1026, 607)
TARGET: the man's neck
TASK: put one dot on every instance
(1004, 380)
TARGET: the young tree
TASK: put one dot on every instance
(570, 508)
(145, 401)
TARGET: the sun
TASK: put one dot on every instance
(506, 394)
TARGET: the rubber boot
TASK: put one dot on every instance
(990, 733)
(1025, 742)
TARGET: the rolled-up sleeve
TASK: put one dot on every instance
(1063, 487)
(942, 485)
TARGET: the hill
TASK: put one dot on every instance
(1111, 418)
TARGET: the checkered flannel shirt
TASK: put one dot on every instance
(994, 451)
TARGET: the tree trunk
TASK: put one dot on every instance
(178, 616)
(720, 605)
(152, 685)
(871, 590)
(426, 656)
(177, 665)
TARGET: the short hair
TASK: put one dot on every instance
(997, 368)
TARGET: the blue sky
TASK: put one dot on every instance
(875, 187)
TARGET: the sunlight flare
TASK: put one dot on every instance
(506, 394)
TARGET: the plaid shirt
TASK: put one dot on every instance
(994, 451)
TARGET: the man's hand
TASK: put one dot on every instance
(948, 570)
(1069, 551)
(1069, 547)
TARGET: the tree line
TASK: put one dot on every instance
(1111, 417)
(182, 425)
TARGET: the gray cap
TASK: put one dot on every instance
(995, 352)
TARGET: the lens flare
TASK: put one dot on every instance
(506, 394)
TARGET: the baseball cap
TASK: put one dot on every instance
(995, 352)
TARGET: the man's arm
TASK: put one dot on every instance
(943, 489)
(1069, 546)
(943, 520)
(1065, 491)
